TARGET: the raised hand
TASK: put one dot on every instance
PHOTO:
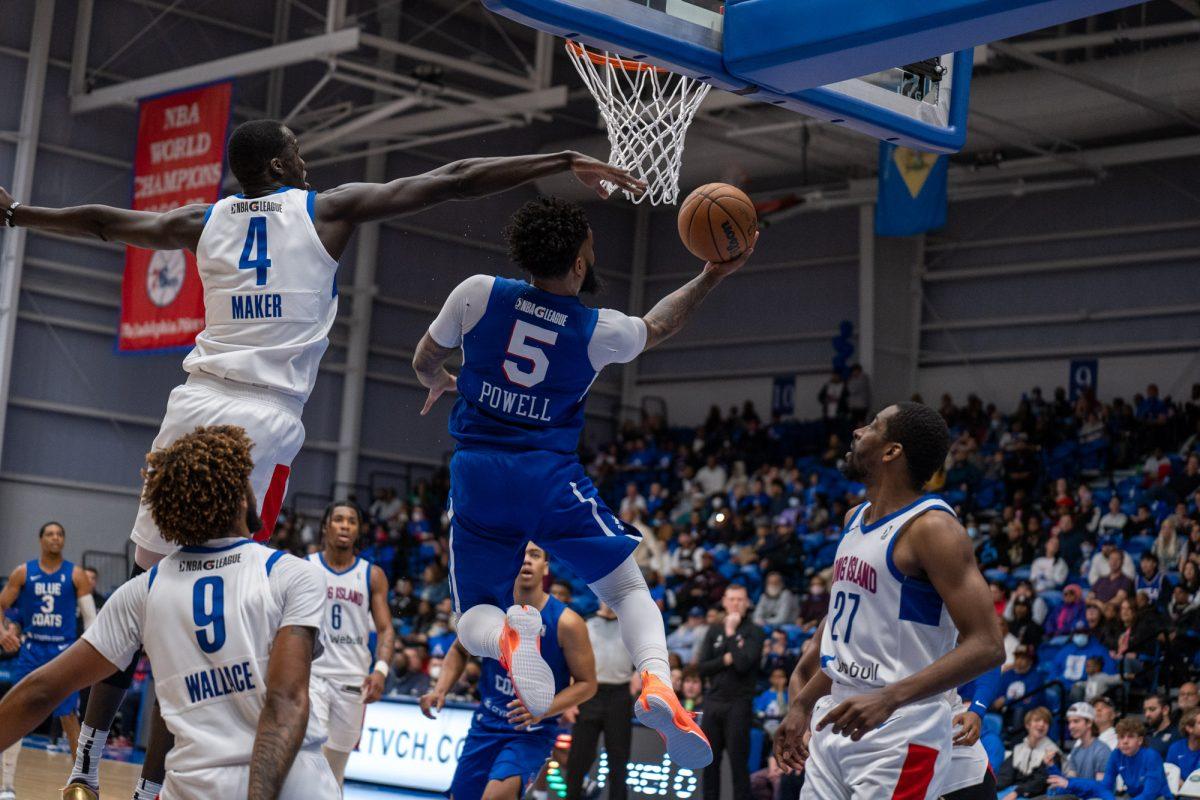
(726, 268)
(593, 173)
(445, 383)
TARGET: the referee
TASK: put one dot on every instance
(610, 711)
(729, 659)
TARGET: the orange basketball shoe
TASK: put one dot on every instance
(521, 655)
(658, 708)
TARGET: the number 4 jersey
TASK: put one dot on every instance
(529, 359)
(270, 293)
(882, 625)
(207, 617)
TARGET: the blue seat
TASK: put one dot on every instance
(1101, 496)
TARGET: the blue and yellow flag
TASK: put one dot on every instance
(912, 191)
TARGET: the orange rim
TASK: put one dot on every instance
(599, 59)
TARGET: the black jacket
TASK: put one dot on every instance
(739, 680)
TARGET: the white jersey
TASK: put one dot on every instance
(347, 624)
(882, 625)
(270, 293)
(207, 617)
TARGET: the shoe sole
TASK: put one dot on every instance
(532, 678)
(79, 791)
(687, 748)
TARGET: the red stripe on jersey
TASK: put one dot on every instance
(916, 774)
(273, 501)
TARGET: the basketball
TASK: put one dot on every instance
(717, 222)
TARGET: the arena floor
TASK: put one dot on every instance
(40, 775)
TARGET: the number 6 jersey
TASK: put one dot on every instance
(270, 295)
(882, 625)
(529, 359)
(207, 617)
(348, 624)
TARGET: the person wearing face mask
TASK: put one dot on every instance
(1070, 665)
(777, 605)
(815, 605)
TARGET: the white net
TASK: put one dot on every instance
(647, 111)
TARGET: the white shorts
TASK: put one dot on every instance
(904, 758)
(271, 420)
(309, 779)
(341, 710)
(968, 765)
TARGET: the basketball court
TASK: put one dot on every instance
(964, 199)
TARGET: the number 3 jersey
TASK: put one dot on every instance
(270, 293)
(46, 604)
(529, 359)
(347, 625)
(882, 625)
(207, 617)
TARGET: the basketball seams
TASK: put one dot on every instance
(741, 216)
(712, 232)
(737, 219)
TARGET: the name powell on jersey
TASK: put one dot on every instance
(856, 571)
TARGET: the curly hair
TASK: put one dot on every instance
(544, 237)
(253, 145)
(923, 434)
(195, 487)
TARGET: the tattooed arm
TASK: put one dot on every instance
(672, 312)
(284, 717)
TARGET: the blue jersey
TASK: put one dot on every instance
(46, 605)
(529, 359)
(495, 686)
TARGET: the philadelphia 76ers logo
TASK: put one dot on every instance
(164, 278)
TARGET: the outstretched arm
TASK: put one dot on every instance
(937, 546)
(36, 697)
(462, 180)
(385, 635)
(671, 313)
(171, 230)
(581, 661)
(284, 718)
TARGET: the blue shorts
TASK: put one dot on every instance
(37, 654)
(496, 756)
(499, 500)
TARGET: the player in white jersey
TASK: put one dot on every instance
(905, 588)
(230, 627)
(356, 602)
(266, 328)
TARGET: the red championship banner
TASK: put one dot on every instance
(180, 160)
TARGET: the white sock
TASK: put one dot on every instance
(87, 758)
(479, 630)
(146, 790)
(625, 591)
(8, 766)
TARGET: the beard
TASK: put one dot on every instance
(853, 470)
(591, 281)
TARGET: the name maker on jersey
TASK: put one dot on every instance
(541, 312)
(256, 306)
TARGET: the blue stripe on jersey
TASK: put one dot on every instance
(312, 197)
(271, 561)
(855, 517)
(920, 602)
(207, 214)
(153, 575)
(940, 505)
(324, 564)
(197, 548)
(867, 528)
(46, 603)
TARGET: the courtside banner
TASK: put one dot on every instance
(180, 160)
(401, 747)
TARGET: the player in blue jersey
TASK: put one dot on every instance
(44, 593)
(971, 776)
(507, 746)
(253, 367)
(531, 351)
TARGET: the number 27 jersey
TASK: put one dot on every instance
(529, 359)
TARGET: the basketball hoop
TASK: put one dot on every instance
(647, 111)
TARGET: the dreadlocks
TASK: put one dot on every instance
(195, 487)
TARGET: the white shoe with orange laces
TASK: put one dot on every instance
(521, 655)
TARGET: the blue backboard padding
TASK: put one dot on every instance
(790, 45)
(630, 36)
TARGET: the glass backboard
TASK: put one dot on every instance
(923, 106)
